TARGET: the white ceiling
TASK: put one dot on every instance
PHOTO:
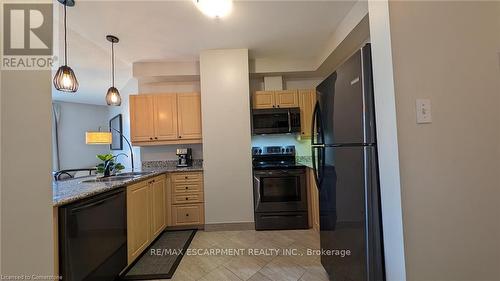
(177, 31)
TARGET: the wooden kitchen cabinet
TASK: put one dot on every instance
(286, 99)
(275, 99)
(191, 214)
(138, 219)
(187, 207)
(263, 99)
(313, 200)
(165, 117)
(161, 119)
(141, 118)
(158, 221)
(189, 116)
(307, 101)
(145, 214)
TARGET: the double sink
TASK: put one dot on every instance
(118, 177)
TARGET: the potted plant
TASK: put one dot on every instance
(109, 167)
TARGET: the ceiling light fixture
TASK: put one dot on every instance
(65, 79)
(113, 95)
(214, 8)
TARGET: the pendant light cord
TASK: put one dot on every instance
(113, 63)
(65, 40)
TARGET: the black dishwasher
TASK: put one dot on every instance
(93, 237)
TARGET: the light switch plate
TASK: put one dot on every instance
(424, 113)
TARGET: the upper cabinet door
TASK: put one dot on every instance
(263, 99)
(285, 99)
(141, 118)
(165, 117)
(189, 115)
(307, 100)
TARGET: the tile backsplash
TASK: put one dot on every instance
(167, 152)
(167, 163)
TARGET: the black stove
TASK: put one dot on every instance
(274, 157)
(280, 195)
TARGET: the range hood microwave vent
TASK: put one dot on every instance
(276, 121)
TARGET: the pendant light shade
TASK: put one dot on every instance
(65, 79)
(98, 137)
(113, 95)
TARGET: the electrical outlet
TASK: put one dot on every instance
(424, 113)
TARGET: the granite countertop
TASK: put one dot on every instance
(68, 191)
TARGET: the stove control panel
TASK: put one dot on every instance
(274, 150)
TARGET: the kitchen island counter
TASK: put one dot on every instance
(72, 190)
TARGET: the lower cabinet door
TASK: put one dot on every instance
(158, 206)
(191, 214)
(138, 219)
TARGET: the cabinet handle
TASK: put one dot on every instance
(278, 106)
(187, 198)
(187, 215)
(186, 187)
(186, 177)
(151, 138)
(180, 137)
(156, 138)
(274, 106)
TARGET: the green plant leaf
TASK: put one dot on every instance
(101, 157)
(119, 167)
(105, 157)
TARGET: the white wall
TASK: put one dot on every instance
(450, 169)
(168, 87)
(75, 120)
(27, 243)
(289, 83)
(387, 140)
(125, 92)
(225, 102)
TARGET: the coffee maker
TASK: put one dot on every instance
(185, 157)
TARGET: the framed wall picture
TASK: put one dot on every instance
(116, 141)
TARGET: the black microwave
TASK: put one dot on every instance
(276, 121)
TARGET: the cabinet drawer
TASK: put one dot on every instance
(183, 187)
(188, 214)
(188, 198)
(187, 177)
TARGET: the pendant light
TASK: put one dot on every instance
(65, 79)
(113, 96)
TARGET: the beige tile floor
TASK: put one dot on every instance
(253, 263)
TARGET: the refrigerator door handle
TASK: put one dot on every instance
(289, 122)
(316, 127)
(317, 159)
(318, 145)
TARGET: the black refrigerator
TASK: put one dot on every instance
(344, 151)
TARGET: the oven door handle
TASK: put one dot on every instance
(257, 192)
